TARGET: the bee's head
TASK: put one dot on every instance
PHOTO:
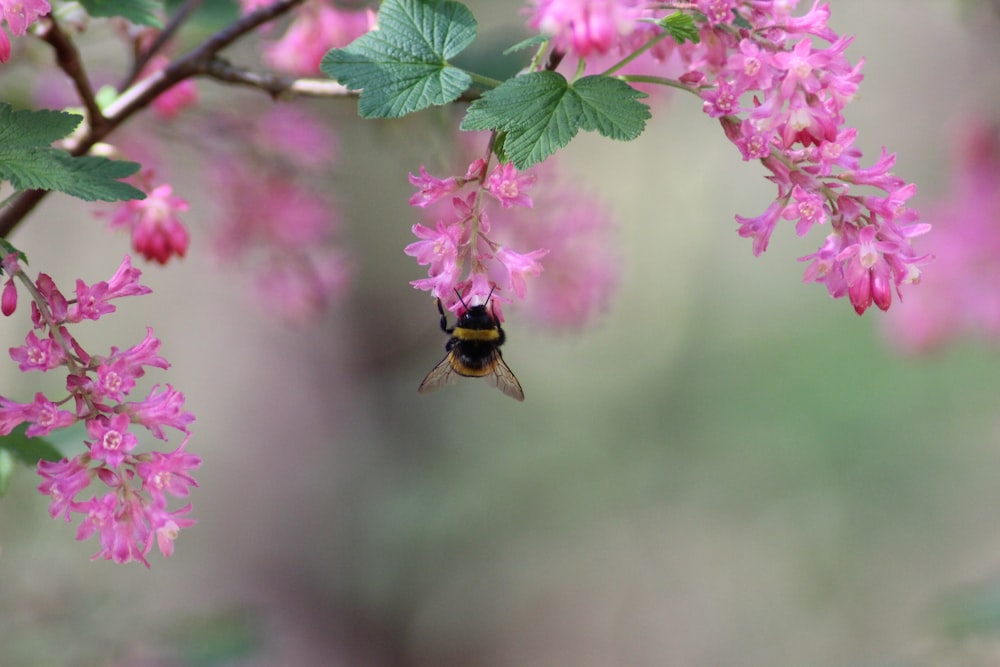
(476, 308)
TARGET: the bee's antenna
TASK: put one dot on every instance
(461, 300)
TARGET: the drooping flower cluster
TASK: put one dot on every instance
(576, 227)
(464, 263)
(780, 99)
(19, 14)
(961, 297)
(272, 221)
(132, 511)
(157, 232)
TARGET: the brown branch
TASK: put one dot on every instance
(275, 85)
(176, 21)
(68, 59)
(143, 93)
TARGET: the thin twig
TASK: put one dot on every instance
(142, 94)
(176, 21)
(275, 85)
(69, 61)
(191, 64)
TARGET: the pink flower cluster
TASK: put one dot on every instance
(317, 27)
(461, 258)
(18, 14)
(780, 99)
(961, 297)
(581, 267)
(271, 220)
(133, 511)
(157, 232)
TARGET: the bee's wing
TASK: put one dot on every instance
(503, 378)
(439, 376)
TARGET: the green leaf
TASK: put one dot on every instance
(681, 27)
(6, 471)
(139, 12)
(29, 162)
(610, 107)
(541, 112)
(535, 40)
(93, 178)
(28, 451)
(402, 66)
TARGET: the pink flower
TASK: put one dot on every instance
(4, 46)
(316, 28)
(167, 525)
(586, 27)
(476, 249)
(761, 227)
(960, 299)
(168, 474)
(56, 303)
(63, 481)
(97, 387)
(461, 238)
(717, 11)
(112, 440)
(19, 14)
(510, 187)
(518, 266)
(271, 222)
(809, 209)
(299, 292)
(8, 302)
(157, 232)
(125, 281)
(123, 535)
(43, 415)
(723, 100)
(431, 189)
(175, 99)
(37, 354)
(291, 132)
(438, 250)
(161, 408)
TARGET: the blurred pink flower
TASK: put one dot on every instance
(960, 298)
(157, 232)
(316, 28)
(19, 14)
(175, 99)
(586, 27)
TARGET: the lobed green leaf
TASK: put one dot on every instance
(402, 66)
(610, 107)
(682, 27)
(29, 162)
(541, 112)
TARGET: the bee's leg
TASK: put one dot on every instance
(444, 319)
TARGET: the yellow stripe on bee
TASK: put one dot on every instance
(469, 371)
(462, 333)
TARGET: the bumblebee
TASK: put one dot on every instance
(474, 352)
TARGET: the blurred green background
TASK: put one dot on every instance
(728, 468)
